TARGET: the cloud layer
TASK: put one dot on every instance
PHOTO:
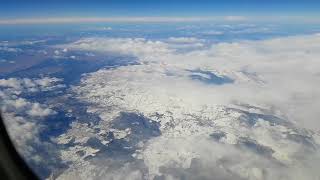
(278, 73)
(261, 124)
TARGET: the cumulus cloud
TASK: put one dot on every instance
(25, 132)
(17, 103)
(37, 110)
(126, 46)
(23, 106)
(22, 132)
(24, 119)
(12, 100)
(11, 82)
(31, 85)
(13, 89)
(261, 125)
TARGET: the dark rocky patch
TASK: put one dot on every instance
(252, 118)
(141, 127)
(218, 135)
(256, 147)
(301, 139)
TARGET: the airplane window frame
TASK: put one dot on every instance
(12, 165)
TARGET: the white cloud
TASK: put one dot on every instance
(47, 81)
(275, 138)
(107, 28)
(22, 132)
(22, 106)
(185, 43)
(31, 85)
(12, 88)
(25, 135)
(235, 18)
(212, 32)
(11, 82)
(127, 46)
(184, 40)
(24, 119)
(10, 49)
(252, 30)
(19, 103)
(37, 110)
(21, 119)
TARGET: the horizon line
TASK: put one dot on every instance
(142, 19)
(155, 19)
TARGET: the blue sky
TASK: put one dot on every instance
(19, 9)
(36, 11)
